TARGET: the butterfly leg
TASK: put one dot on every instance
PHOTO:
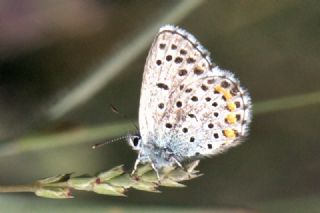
(177, 162)
(180, 165)
(138, 160)
(155, 170)
(143, 159)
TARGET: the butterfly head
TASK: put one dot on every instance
(135, 141)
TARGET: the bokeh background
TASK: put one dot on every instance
(62, 63)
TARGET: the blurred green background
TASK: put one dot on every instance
(62, 63)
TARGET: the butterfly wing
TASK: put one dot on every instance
(181, 94)
(167, 66)
(213, 117)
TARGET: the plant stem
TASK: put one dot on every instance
(19, 188)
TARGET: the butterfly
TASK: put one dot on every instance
(189, 107)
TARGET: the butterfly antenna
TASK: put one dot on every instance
(115, 110)
(98, 145)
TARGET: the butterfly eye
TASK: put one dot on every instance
(135, 141)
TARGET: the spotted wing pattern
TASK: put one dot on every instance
(187, 103)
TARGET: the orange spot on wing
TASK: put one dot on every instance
(231, 118)
(219, 89)
(229, 133)
(227, 95)
(231, 106)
